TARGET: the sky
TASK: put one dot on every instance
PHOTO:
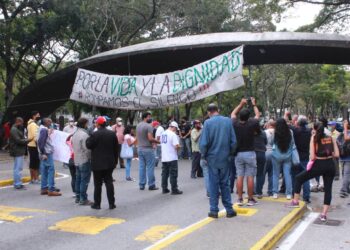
(300, 15)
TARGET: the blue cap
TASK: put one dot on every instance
(332, 123)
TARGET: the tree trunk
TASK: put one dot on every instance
(9, 87)
(188, 107)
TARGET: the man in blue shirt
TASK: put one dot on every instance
(217, 144)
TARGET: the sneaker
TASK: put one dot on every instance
(153, 188)
(20, 187)
(165, 191)
(252, 202)
(323, 217)
(240, 202)
(176, 192)
(213, 215)
(231, 214)
(275, 196)
(293, 203)
(86, 203)
(130, 179)
(289, 197)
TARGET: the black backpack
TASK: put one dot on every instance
(344, 146)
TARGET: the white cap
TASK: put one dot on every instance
(175, 125)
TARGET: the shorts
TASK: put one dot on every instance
(246, 163)
(34, 161)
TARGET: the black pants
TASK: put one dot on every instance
(196, 167)
(120, 160)
(100, 177)
(72, 171)
(321, 167)
(169, 168)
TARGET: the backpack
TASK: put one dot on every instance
(344, 146)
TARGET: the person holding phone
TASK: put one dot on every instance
(323, 149)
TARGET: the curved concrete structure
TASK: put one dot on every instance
(172, 54)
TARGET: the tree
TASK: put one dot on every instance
(28, 28)
(334, 15)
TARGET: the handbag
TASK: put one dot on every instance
(295, 157)
(126, 152)
(309, 165)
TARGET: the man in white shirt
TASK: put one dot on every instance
(159, 131)
(170, 145)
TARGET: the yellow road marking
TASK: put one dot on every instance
(277, 232)
(194, 227)
(156, 233)
(6, 213)
(86, 224)
(279, 199)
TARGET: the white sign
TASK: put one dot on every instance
(219, 74)
(62, 151)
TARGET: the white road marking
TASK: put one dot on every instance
(293, 237)
(62, 176)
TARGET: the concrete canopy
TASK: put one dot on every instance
(52, 91)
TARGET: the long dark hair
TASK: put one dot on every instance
(319, 128)
(127, 130)
(283, 137)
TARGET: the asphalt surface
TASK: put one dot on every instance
(142, 218)
(322, 236)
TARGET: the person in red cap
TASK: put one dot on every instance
(104, 148)
(159, 130)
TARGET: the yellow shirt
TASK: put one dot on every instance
(33, 130)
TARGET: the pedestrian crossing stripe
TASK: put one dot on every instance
(156, 233)
(89, 225)
(6, 213)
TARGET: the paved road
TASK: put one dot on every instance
(309, 233)
(142, 218)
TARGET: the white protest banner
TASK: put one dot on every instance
(61, 149)
(219, 74)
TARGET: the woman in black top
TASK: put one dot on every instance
(323, 149)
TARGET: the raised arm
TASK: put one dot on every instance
(238, 108)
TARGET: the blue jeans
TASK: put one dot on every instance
(146, 164)
(47, 170)
(83, 175)
(127, 167)
(260, 176)
(233, 174)
(158, 152)
(185, 143)
(219, 179)
(204, 166)
(17, 171)
(269, 171)
(286, 165)
(306, 186)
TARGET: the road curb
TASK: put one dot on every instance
(9, 182)
(272, 237)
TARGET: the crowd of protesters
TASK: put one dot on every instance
(225, 151)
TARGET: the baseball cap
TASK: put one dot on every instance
(332, 123)
(175, 125)
(155, 123)
(101, 120)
